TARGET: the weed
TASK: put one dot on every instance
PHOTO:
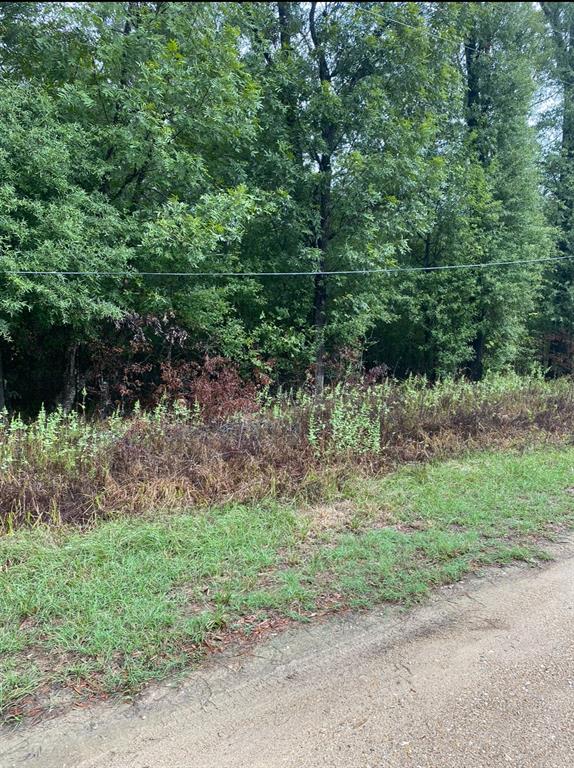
(67, 468)
(133, 599)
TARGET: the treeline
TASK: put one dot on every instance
(141, 137)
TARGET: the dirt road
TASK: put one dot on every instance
(481, 676)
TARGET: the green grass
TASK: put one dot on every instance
(133, 599)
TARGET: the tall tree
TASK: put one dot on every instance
(351, 101)
(488, 208)
(559, 135)
(140, 137)
(502, 50)
(115, 138)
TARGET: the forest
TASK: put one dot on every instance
(248, 195)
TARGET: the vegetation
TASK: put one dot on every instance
(141, 137)
(66, 468)
(254, 259)
(88, 614)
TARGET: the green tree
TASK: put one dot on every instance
(488, 208)
(352, 99)
(502, 51)
(121, 128)
(141, 137)
(558, 136)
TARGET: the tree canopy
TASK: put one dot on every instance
(147, 147)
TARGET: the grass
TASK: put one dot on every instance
(109, 608)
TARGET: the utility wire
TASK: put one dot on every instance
(382, 270)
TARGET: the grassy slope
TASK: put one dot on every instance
(108, 609)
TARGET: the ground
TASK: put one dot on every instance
(107, 612)
(90, 614)
(482, 675)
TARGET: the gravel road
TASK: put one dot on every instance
(480, 676)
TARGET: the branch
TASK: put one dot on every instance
(324, 74)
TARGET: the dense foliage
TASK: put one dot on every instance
(153, 137)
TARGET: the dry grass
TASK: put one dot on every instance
(90, 613)
(66, 469)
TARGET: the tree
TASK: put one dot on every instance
(310, 138)
(115, 136)
(488, 208)
(501, 52)
(558, 321)
(351, 103)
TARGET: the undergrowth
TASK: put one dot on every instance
(72, 469)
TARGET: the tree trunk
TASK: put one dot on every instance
(328, 134)
(2, 390)
(568, 122)
(472, 52)
(287, 93)
(474, 106)
(428, 354)
(567, 151)
(70, 385)
(320, 288)
(105, 406)
(130, 23)
(477, 367)
(320, 318)
(284, 11)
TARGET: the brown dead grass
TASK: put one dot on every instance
(174, 465)
(335, 516)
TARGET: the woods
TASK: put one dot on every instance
(145, 148)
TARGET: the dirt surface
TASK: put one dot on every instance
(480, 676)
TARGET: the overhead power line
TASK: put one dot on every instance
(381, 270)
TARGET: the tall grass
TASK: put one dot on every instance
(68, 468)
